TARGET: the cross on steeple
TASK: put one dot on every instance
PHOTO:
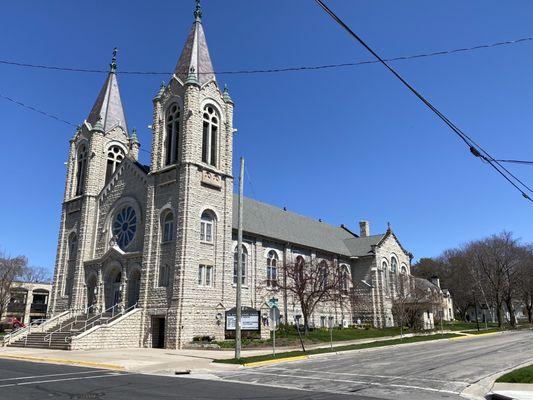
(113, 64)
(198, 11)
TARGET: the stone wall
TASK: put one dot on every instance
(124, 332)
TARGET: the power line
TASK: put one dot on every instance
(516, 162)
(46, 114)
(277, 70)
(475, 148)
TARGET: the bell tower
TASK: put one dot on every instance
(97, 148)
(191, 177)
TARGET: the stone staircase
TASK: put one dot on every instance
(59, 337)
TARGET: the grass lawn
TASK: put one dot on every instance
(390, 342)
(288, 336)
(521, 375)
(465, 326)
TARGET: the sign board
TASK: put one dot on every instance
(250, 318)
(274, 318)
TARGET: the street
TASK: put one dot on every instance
(25, 380)
(438, 370)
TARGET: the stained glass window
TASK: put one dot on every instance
(125, 226)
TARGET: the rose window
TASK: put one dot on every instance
(125, 226)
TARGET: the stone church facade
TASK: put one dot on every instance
(156, 243)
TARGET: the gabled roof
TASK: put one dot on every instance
(195, 54)
(285, 226)
(108, 106)
(362, 246)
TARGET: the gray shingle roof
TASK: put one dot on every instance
(285, 226)
(195, 54)
(108, 106)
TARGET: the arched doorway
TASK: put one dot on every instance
(91, 291)
(134, 286)
(112, 289)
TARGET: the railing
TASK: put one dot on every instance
(27, 329)
(85, 312)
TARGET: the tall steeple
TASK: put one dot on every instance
(108, 106)
(195, 53)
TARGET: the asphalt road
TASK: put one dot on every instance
(424, 371)
(26, 380)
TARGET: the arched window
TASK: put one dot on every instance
(168, 227)
(299, 271)
(210, 136)
(81, 169)
(385, 268)
(72, 246)
(345, 278)
(71, 263)
(115, 155)
(403, 270)
(164, 275)
(207, 227)
(172, 134)
(272, 269)
(243, 266)
(323, 274)
(393, 264)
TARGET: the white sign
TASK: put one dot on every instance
(249, 321)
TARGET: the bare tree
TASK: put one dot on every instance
(35, 275)
(310, 283)
(525, 281)
(10, 269)
(497, 260)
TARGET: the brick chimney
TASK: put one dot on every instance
(364, 228)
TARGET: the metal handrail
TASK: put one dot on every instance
(76, 315)
(113, 316)
(7, 338)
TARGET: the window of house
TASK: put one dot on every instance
(385, 268)
(205, 275)
(404, 269)
(81, 169)
(115, 155)
(272, 269)
(172, 134)
(299, 271)
(207, 227)
(210, 136)
(164, 275)
(243, 266)
(168, 227)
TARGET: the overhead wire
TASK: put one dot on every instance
(474, 148)
(278, 69)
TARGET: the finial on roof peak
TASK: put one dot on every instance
(192, 79)
(388, 226)
(225, 94)
(198, 12)
(134, 137)
(113, 64)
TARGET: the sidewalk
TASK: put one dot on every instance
(160, 361)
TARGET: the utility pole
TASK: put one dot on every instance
(239, 267)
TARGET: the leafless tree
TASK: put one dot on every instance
(10, 269)
(412, 299)
(311, 282)
(35, 275)
(525, 281)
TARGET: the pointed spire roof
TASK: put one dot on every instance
(195, 53)
(108, 106)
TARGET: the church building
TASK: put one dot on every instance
(153, 248)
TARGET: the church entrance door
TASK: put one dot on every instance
(158, 332)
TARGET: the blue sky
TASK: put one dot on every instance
(341, 145)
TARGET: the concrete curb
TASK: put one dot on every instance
(275, 361)
(63, 361)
